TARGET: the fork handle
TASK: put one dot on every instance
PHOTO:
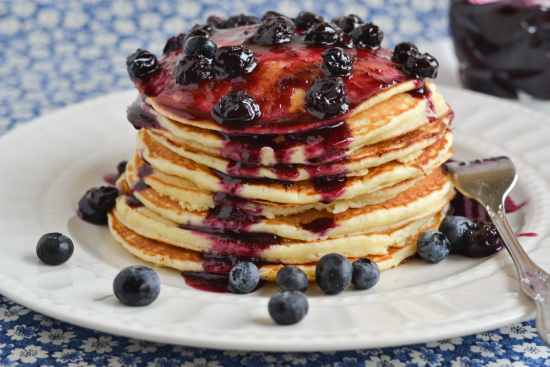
(533, 280)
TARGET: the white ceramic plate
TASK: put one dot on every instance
(47, 165)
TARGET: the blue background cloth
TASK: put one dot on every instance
(55, 53)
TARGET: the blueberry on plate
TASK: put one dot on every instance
(193, 69)
(287, 308)
(244, 277)
(236, 107)
(333, 273)
(200, 45)
(237, 21)
(366, 273)
(403, 51)
(233, 61)
(96, 203)
(306, 19)
(54, 248)
(273, 30)
(348, 23)
(433, 246)
(454, 227)
(137, 286)
(141, 63)
(292, 278)
(323, 34)
(336, 62)
(367, 35)
(326, 97)
(482, 239)
(174, 43)
(422, 66)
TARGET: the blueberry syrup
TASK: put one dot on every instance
(527, 234)
(320, 226)
(214, 283)
(472, 210)
(139, 115)
(511, 207)
(374, 71)
(133, 202)
(424, 92)
(110, 178)
(330, 187)
(143, 171)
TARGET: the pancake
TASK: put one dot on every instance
(189, 261)
(424, 198)
(301, 192)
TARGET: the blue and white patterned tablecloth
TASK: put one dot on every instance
(55, 53)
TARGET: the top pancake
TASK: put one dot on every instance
(278, 83)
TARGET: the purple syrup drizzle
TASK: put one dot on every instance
(139, 114)
(133, 202)
(110, 178)
(330, 187)
(320, 145)
(320, 226)
(424, 92)
(527, 234)
(143, 171)
(214, 283)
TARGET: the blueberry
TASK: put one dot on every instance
(306, 19)
(433, 246)
(173, 43)
(244, 277)
(323, 34)
(336, 62)
(237, 21)
(365, 273)
(482, 239)
(422, 66)
(236, 107)
(54, 248)
(273, 30)
(454, 227)
(121, 167)
(196, 33)
(200, 45)
(136, 286)
(292, 278)
(193, 69)
(367, 35)
(348, 23)
(203, 27)
(234, 61)
(271, 14)
(403, 51)
(141, 63)
(287, 308)
(214, 20)
(333, 273)
(326, 97)
(96, 203)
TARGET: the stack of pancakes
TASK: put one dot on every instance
(198, 195)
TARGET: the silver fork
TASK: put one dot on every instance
(489, 181)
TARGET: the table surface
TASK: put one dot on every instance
(55, 53)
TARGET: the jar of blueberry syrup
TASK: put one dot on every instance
(503, 46)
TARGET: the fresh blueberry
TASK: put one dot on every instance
(482, 239)
(365, 273)
(137, 286)
(54, 248)
(287, 308)
(244, 277)
(403, 51)
(237, 21)
(193, 69)
(292, 278)
(367, 35)
(233, 61)
(141, 63)
(333, 273)
(236, 107)
(273, 30)
(454, 227)
(336, 62)
(200, 45)
(271, 14)
(306, 19)
(323, 34)
(422, 66)
(433, 246)
(348, 23)
(196, 33)
(173, 43)
(326, 97)
(96, 203)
